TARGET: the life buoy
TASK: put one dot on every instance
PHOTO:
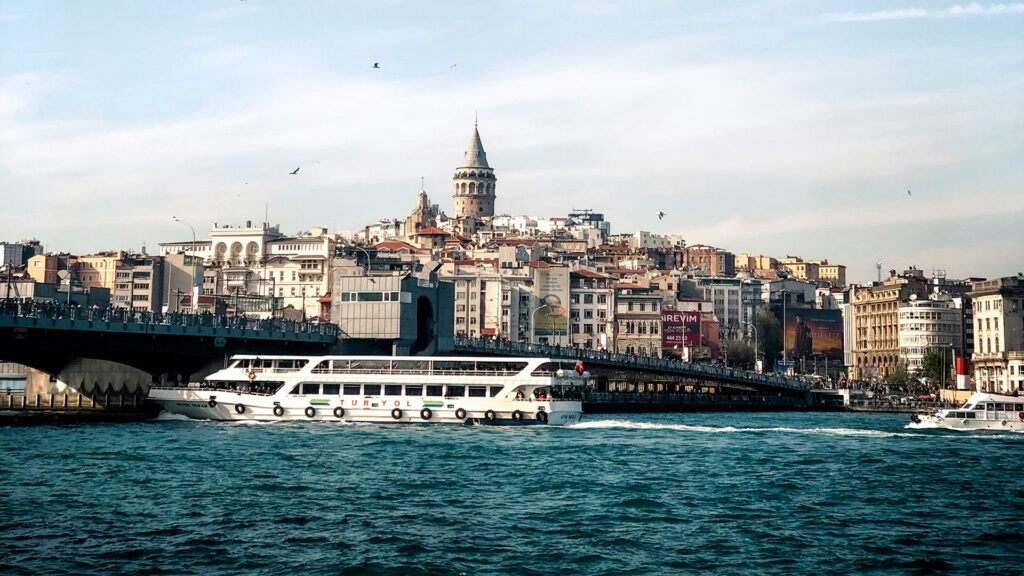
(278, 411)
(542, 417)
(1021, 416)
(460, 413)
(396, 413)
(310, 411)
(252, 375)
(490, 416)
(212, 403)
(426, 413)
(339, 412)
(240, 408)
(517, 415)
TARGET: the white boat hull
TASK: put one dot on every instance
(983, 411)
(967, 424)
(230, 406)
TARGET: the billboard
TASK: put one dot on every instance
(811, 331)
(680, 329)
(551, 315)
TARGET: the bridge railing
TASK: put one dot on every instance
(55, 311)
(628, 360)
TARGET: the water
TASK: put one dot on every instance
(618, 494)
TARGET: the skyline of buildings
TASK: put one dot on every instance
(554, 280)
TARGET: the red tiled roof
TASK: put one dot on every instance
(432, 231)
(585, 273)
(395, 245)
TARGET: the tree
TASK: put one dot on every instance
(739, 354)
(770, 333)
(935, 366)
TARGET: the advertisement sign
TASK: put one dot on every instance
(680, 329)
(551, 317)
(810, 332)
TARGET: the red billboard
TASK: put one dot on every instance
(680, 328)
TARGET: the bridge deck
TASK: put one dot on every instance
(633, 362)
(60, 317)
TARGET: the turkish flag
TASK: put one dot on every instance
(579, 367)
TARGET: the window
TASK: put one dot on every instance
(588, 298)
(352, 389)
(455, 391)
(371, 390)
(392, 389)
(310, 388)
(332, 389)
(477, 391)
(414, 390)
(434, 390)
(495, 390)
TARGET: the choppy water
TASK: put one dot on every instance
(630, 494)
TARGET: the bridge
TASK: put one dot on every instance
(115, 348)
(630, 382)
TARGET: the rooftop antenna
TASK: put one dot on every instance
(266, 213)
(878, 265)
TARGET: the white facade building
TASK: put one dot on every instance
(929, 324)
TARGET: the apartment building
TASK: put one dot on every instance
(998, 358)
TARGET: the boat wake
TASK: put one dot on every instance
(626, 425)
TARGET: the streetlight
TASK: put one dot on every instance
(192, 279)
(754, 328)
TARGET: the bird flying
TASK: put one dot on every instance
(296, 171)
(376, 64)
(908, 193)
(660, 214)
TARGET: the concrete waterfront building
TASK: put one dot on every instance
(138, 283)
(43, 268)
(390, 302)
(927, 324)
(638, 320)
(474, 184)
(876, 346)
(11, 255)
(998, 358)
(591, 309)
(97, 270)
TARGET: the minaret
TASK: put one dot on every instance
(474, 182)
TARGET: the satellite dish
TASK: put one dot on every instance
(63, 274)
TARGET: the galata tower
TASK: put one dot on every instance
(474, 182)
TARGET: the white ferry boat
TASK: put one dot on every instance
(982, 411)
(384, 389)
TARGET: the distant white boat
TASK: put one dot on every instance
(384, 389)
(982, 411)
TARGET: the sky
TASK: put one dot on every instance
(858, 132)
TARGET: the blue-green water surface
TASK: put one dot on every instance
(735, 493)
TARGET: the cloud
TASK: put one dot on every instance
(957, 10)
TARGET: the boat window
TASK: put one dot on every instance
(416, 366)
(988, 405)
(340, 365)
(1018, 407)
(300, 364)
(545, 369)
(285, 364)
(295, 390)
(414, 390)
(392, 389)
(266, 364)
(372, 366)
(239, 364)
(323, 367)
(500, 367)
(455, 391)
(451, 366)
(352, 389)
(968, 406)
(371, 390)
(332, 389)
(434, 391)
(477, 391)
(310, 387)
(495, 390)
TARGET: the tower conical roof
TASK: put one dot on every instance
(475, 155)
